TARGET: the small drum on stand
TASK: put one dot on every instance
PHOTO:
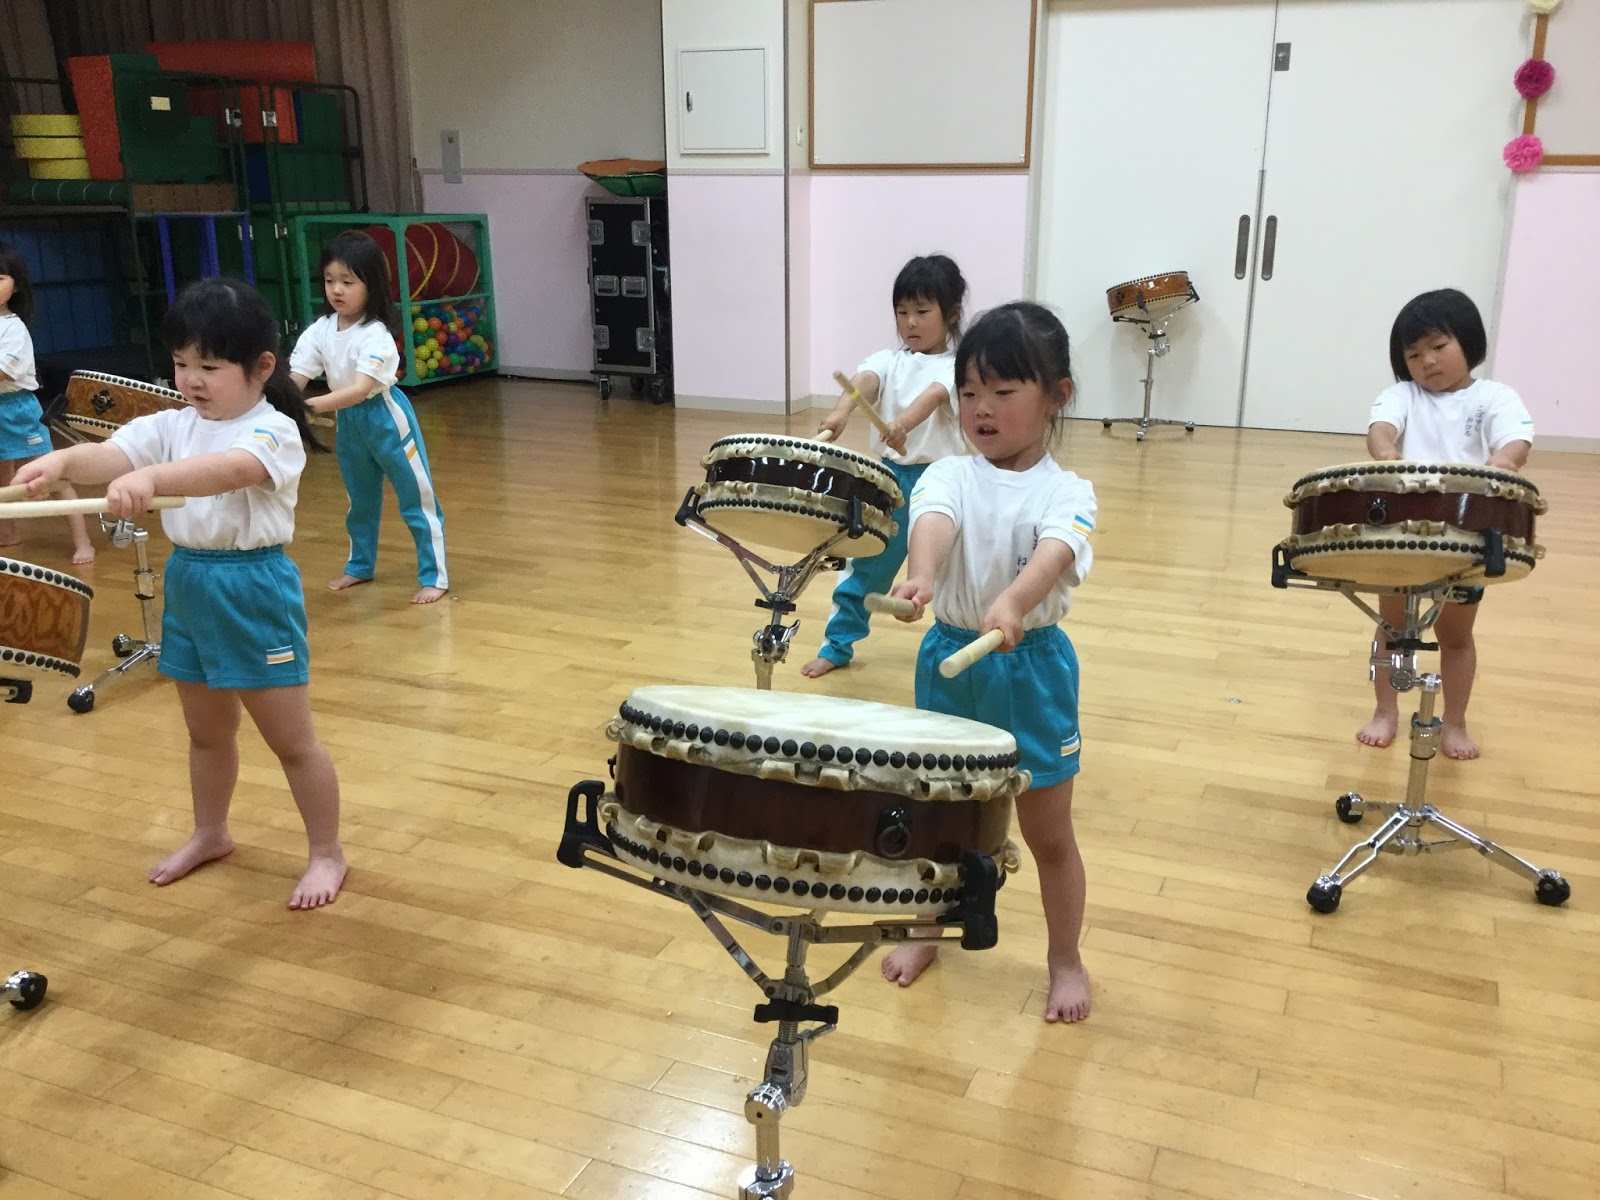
(96, 406)
(1416, 533)
(1406, 524)
(794, 494)
(1150, 302)
(729, 797)
(44, 624)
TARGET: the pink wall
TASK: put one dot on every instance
(1551, 306)
(800, 295)
(728, 331)
(540, 246)
(864, 227)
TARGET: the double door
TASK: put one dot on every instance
(1312, 164)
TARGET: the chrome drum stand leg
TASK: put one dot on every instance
(1159, 347)
(1402, 832)
(133, 652)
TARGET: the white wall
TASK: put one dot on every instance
(722, 25)
(536, 84)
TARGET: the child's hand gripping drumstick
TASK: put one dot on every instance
(957, 662)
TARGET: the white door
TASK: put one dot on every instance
(1154, 117)
(1383, 170)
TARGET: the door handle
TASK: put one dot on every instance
(1241, 249)
(1269, 248)
(688, 101)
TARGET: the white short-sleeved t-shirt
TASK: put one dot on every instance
(1000, 517)
(903, 376)
(245, 519)
(16, 356)
(1454, 427)
(341, 355)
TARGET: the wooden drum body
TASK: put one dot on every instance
(794, 493)
(808, 801)
(1406, 524)
(98, 405)
(44, 618)
(1151, 298)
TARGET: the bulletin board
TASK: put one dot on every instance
(922, 84)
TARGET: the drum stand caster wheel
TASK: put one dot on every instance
(81, 700)
(1552, 889)
(122, 645)
(1324, 895)
(28, 988)
(1348, 807)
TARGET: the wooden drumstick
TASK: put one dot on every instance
(825, 435)
(879, 603)
(61, 508)
(860, 402)
(969, 654)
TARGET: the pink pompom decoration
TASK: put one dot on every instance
(1534, 77)
(1524, 153)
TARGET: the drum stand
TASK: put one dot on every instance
(1395, 650)
(133, 652)
(771, 641)
(23, 989)
(1156, 330)
(791, 1000)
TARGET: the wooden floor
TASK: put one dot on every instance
(473, 1020)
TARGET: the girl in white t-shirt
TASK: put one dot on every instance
(911, 389)
(998, 541)
(353, 346)
(1437, 412)
(23, 434)
(233, 626)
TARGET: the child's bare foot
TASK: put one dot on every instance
(1380, 730)
(428, 595)
(321, 882)
(82, 555)
(1069, 994)
(1456, 742)
(904, 963)
(345, 581)
(201, 848)
(818, 667)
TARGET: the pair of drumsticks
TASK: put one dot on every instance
(14, 503)
(860, 402)
(962, 658)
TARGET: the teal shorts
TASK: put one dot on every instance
(22, 431)
(234, 619)
(1030, 692)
